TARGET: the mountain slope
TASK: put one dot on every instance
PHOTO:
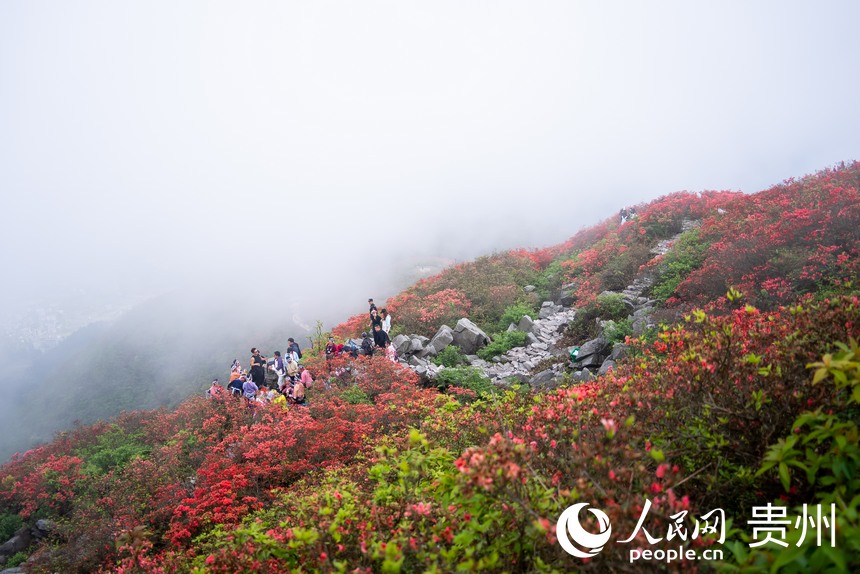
(379, 474)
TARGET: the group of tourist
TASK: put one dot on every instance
(293, 379)
(380, 326)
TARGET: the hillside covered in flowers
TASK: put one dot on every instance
(741, 391)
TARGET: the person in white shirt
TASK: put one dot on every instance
(386, 320)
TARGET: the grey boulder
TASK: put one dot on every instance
(526, 324)
(402, 344)
(604, 368)
(469, 337)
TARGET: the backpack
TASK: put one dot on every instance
(367, 347)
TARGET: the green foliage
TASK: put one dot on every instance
(354, 395)
(16, 559)
(618, 331)
(451, 356)
(608, 307)
(112, 450)
(502, 343)
(470, 378)
(687, 255)
(820, 459)
(513, 314)
(549, 281)
(621, 269)
(9, 524)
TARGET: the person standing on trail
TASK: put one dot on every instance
(375, 320)
(380, 337)
(372, 306)
(386, 320)
(280, 368)
(258, 367)
(293, 347)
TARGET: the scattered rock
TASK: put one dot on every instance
(529, 288)
(43, 528)
(21, 540)
(619, 351)
(568, 296)
(545, 380)
(402, 344)
(417, 362)
(604, 368)
(583, 376)
(526, 324)
(418, 343)
(532, 340)
(596, 346)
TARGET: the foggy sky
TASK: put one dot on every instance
(313, 147)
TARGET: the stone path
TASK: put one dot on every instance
(546, 331)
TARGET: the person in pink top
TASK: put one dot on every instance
(306, 378)
(390, 352)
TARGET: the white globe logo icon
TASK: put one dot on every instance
(568, 530)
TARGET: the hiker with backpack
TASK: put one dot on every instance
(366, 345)
(293, 347)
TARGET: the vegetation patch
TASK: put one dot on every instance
(502, 343)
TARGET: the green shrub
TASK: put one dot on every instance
(621, 269)
(609, 307)
(502, 343)
(618, 331)
(451, 356)
(686, 255)
(9, 524)
(470, 378)
(16, 559)
(820, 459)
(355, 396)
(513, 314)
(113, 449)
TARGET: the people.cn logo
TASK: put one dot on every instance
(569, 530)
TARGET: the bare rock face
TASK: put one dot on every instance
(469, 337)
